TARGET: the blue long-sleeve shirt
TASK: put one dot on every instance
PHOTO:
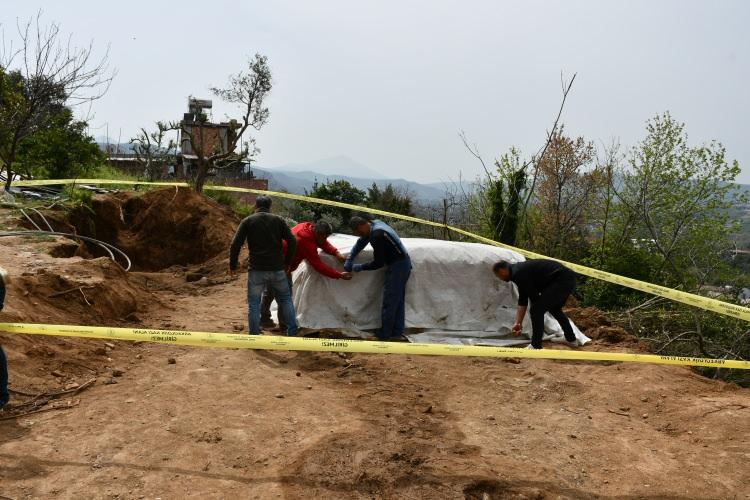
(386, 245)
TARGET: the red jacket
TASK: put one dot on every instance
(307, 249)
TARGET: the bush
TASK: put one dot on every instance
(79, 197)
(105, 171)
(230, 200)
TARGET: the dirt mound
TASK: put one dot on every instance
(95, 291)
(64, 291)
(597, 325)
(157, 230)
(180, 227)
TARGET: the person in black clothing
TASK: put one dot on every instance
(4, 395)
(548, 284)
(264, 233)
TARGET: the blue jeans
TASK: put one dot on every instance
(4, 396)
(257, 281)
(394, 299)
(265, 305)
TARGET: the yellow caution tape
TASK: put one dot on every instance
(231, 340)
(709, 304)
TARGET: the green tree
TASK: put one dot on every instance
(59, 150)
(670, 225)
(568, 181)
(248, 89)
(390, 199)
(677, 197)
(339, 190)
(497, 201)
(41, 73)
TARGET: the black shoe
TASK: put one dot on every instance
(396, 338)
(267, 323)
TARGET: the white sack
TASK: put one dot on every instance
(452, 288)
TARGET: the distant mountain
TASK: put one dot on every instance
(337, 165)
(298, 178)
(298, 182)
(465, 186)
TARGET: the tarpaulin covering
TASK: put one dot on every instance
(452, 295)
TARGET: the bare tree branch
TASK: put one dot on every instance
(52, 73)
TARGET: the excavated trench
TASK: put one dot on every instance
(157, 230)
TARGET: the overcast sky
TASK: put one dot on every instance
(391, 83)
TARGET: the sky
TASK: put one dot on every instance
(391, 84)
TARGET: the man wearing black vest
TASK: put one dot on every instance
(548, 284)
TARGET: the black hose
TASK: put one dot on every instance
(105, 245)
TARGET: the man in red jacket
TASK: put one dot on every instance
(309, 237)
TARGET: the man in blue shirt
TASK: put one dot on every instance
(389, 252)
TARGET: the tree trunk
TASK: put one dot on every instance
(9, 174)
(445, 219)
(200, 176)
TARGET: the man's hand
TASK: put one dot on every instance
(340, 257)
(346, 276)
(516, 328)
(348, 265)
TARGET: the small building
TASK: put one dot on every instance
(198, 136)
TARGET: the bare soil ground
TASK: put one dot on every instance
(167, 422)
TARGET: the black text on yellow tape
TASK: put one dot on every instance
(717, 306)
(230, 340)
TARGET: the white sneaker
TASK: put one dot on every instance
(574, 344)
(532, 347)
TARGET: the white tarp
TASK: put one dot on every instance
(452, 295)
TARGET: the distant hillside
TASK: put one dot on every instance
(298, 182)
(742, 213)
(337, 165)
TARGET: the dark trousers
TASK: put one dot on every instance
(265, 305)
(4, 396)
(394, 299)
(551, 300)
